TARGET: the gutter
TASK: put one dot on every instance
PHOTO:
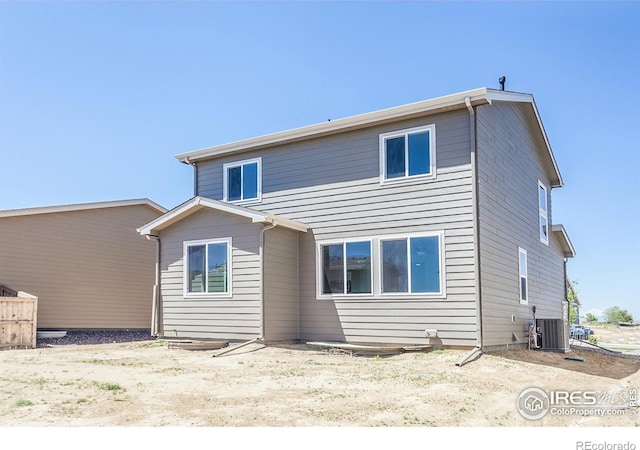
(476, 216)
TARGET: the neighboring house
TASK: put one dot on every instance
(86, 263)
(429, 218)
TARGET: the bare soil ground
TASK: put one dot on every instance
(139, 384)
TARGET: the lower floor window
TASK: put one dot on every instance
(346, 268)
(523, 276)
(396, 265)
(411, 265)
(207, 267)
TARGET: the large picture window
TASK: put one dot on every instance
(407, 153)
(243, 180)
(207, 267)
(346, 268)
(543, 213)
(411, 265)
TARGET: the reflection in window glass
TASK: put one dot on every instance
(544, 237)
(196, 256)
(542, 195)
(394, 266)
(217, 278)
(425, 264)
(250, 180)
(395, 157)
(419, 153)
(234, 183)
(333, 269)
(358, 267)
(522, 269)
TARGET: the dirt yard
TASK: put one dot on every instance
(140, 384)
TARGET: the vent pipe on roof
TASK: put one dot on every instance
(502, 80)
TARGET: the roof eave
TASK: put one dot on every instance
(197, 203)
(568, 249)
(476, 96)
(81, 207)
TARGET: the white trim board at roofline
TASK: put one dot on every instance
(197, 203)
(80, 207)
(475, 97)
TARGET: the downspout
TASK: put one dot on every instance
(195, 174)
(262, 302)
(156, 329)
(476, 215)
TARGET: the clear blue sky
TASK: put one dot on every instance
(97, 97)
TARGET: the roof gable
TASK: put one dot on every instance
(197, 203)
(563, 238)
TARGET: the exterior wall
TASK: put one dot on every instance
(509, 168)
(332, 183)
(214, 317)
(281, 283)
(88, 268)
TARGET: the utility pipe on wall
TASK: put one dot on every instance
(262, 302)
(476, 215)
(155, 305)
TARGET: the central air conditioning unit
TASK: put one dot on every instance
(553, 334)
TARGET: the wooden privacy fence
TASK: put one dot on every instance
(18, 321)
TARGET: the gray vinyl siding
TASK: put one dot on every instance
(281, 291)
(235, 317)
(509, 167)
(90, 269)
(332, 183)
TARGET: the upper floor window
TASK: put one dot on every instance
(207, 267)
(543, 213)
(243, 180)
(346, 268)
(408, 153)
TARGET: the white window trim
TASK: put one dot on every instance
(185, 281)
(522, 251)
(225, 187)
(432, 154)
(319, 274)
(543, 213)
(443, 287)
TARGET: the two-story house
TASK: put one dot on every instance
(432, 218)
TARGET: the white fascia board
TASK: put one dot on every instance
(561, 233)
(81, 207)
(197, 203)
(287, 223)
(476, 96)
(170, 217)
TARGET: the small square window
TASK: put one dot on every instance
(207, 267)
(346, 268)
(242, 181)
(407, 153)
(411, 265)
